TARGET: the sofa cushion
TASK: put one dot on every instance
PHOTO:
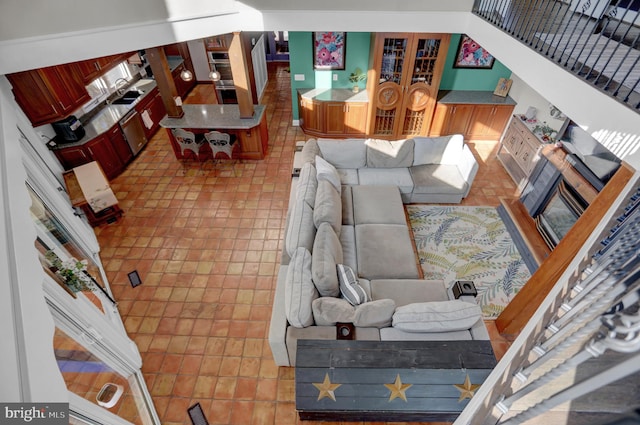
(327, 311)
(375, 314)
(347, 205)
(348, 243)
(309, 151)
(346, 153)
(299, 290)
(394, 334)
(389, 153)
(326, 171)
(327, 208)
(437, 178)
(350, 289)
(327, 253)
(377, 205)
(307, 184)
(437, 150)
(385, 251)
(439, 316)
(348, 176)
(300, 228)
(408, 291)
(399, 177)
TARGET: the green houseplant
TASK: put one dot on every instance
(355, 77)
(72, 271)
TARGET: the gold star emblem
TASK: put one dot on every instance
(467, 390)
(326, 388)
(397, 389)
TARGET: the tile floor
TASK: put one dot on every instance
(206, 242)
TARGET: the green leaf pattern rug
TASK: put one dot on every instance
(469, 243)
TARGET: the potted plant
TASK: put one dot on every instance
(72, 272)
(355, 77)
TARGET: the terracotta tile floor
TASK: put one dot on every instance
(206, 242)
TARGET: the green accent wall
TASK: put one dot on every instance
(357, 56)
(301, 63)
(470, 79)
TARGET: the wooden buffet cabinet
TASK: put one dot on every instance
(333, 112)
(518, 151)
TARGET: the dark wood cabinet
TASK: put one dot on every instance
(120, 145)
(153, 106)
(48, 94)
(72, 157)
(100, 149)
(89, 70)
(182, 87)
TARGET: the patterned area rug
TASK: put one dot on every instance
(469, 243)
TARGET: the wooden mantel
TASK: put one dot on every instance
(558, 158)
(518, 312)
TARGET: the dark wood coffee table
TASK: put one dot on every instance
(388, 380)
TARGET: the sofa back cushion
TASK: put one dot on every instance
(309, 151)
(326, 171)
(374, 314)
(307, 184)
(346, 153)
(327, 253)
(300, 228)
(299, 291)
(389, 153)
(438, 316)
(438, 150)
(327, 311)
(327, 207)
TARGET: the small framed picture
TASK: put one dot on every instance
(329, 50)
(502, 89)
(472, 55)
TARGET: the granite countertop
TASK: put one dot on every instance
(214, 116)
(473, 96)
(335, 95)
(110, 114)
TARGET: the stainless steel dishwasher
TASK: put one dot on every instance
(131, 126)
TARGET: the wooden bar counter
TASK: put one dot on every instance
(249, 133)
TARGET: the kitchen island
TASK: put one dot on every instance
(249, 135)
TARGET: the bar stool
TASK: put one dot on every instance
(187, 141)
(221, 143)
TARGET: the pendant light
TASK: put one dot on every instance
(214, 75)
(186, 75)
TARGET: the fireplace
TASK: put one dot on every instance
(561, 211)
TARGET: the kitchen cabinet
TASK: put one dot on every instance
(89, 70)
(404, 82)
(518, 151)
(153, 105)
(182, 87)
(345, 118)
(48, 94)
(110, 149)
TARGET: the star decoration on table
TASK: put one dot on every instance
(326, 388)
(398, 389)
(467, 390)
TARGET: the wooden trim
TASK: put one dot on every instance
(164, 79)
(518, 312)
(558, 158)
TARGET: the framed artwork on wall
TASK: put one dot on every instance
(472, 55)
(329, 50)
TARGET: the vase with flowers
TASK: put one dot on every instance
(355, 77)
(73, 272)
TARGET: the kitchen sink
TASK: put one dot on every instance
(127, 98)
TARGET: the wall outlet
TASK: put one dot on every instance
(335, 77)
(298, 77)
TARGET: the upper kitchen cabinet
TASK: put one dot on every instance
(48, 94)
(91, 69)
(403, 81)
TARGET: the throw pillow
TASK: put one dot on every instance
(327, 311)
(374, 314)
(437, 316)
(299, 290)
(349, 286)
(327, 252)
(328, 172)
(328, 208)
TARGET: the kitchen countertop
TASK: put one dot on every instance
(473, 96)
(225, 116)
(110, 114)
(335, 95)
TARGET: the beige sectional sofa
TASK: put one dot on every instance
(346, 209)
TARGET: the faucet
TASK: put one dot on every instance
(120, 83)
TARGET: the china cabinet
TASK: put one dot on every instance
(403, 82)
